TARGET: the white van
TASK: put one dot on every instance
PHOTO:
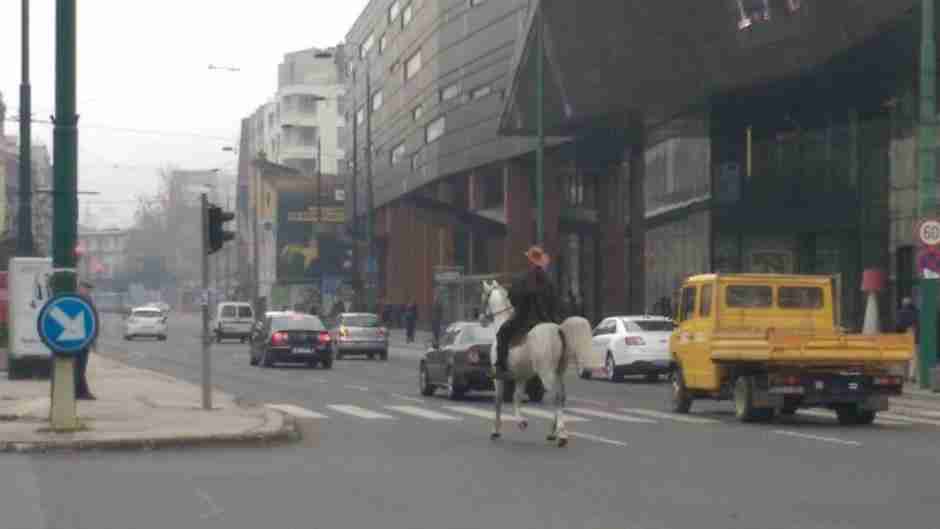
(233, 319)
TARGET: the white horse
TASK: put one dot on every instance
(545, 352)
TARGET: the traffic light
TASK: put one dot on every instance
(217, 234)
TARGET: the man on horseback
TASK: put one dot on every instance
(534, 301)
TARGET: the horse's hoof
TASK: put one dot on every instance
(523, 425)
(562, 442)
(494, 436)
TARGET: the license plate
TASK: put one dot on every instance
(302, 350)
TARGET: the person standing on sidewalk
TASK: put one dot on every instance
(411, 321)
(437, 319)
(908, 320)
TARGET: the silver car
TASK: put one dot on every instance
(359, 333)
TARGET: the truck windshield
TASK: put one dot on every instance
(749, 296)
(800, 297)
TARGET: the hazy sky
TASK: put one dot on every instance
(143, 66)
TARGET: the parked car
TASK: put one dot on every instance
(359, 333)
(633, 345)
(461, 363)
(145, 321)
(291, 337)
(233, 320)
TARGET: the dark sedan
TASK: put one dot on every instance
(291, 338)
(461, 363)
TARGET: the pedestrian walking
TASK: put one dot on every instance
(437, 319)
(908, 320)
(411, 321)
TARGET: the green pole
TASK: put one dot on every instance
(928, 173)
(540, 125)
(65, 151)
(370, 199)
(24, 239)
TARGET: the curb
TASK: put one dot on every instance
(288, 432)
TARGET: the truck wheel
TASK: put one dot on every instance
(681, 400)
(852, 414)
(744, 409)
(14, 369)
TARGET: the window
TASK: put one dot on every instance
(800, 298)
(477, 334)
(244, 312)
(434, 130)
(482, 91)
(706, 307)
(450, 92)
(412, 65)
(377, 100)
(752, 11)
(687, 307)
(476, 2)
(393, 10)
(406, 15)
(749, 296)
(366, 45)
(649, 325)
(398, 153)
(383, 43)
(362, 320)
(308, 136)
(360, 115)
(418, 112)
(228, 311)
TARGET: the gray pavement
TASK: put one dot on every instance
(377, 454)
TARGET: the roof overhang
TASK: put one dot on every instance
(651, 60)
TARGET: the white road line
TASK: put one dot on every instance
(597, 438)
(360, 388)
(424, 413)
(832, 415)
(589, 401)
(356, 411)
(477, 412)
(908, 419)
(612, 416)
(545, 414)
(406, 397)
(296, 411)
(670, 416)
(817, 438)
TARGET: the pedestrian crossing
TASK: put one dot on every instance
(430, 410)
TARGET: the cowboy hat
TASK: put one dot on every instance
(537, 256)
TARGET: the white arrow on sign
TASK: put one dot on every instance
(73, 329)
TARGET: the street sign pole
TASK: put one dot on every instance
(64, 202)
(204, 301)
(927, 187)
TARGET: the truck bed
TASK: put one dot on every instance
(838, 349)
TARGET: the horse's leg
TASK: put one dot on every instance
(516, 404)
(497, 417)
(560, 431)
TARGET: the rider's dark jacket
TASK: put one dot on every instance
(534, 298)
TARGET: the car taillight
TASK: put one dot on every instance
(324, 337)
(634, 340)
(887, 381)
(473, 356)
(790, 380)
(279, 338)
(381, 332)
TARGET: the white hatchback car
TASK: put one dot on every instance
(145, 321)
(633, 345)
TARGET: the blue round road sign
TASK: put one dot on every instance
(68, 324)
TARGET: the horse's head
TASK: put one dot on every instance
(495, 299)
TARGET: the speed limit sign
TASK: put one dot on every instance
(928, 232)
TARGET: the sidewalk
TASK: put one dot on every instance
(136, 408)
(396, 338)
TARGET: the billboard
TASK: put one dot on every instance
(307, 249)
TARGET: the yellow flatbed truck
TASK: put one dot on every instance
(772, 343)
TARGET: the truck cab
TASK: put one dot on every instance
(772, 343)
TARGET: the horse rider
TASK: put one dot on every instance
(534, 301)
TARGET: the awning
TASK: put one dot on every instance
(650, 60)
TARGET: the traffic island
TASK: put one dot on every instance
(135, 409)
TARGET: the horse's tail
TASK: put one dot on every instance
(576, 337)
(563, 358)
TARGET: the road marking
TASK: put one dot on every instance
(612, 416)
(477, 412)
(39, 405)
(589, 401)
(670, 416)
(545, 414)
(406, 397)
(908, 419)
(818, 438)
(360, 388)
(597, 438)
(424, 413)
(832, 415)
(296, 411)
(356, 411)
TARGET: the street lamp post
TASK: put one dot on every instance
(24, 240)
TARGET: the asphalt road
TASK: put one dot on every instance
(376, 454)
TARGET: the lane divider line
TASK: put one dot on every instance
(597, 438)
(356, 411)
(670, 416)
(423, 413)
(296, 411)
(821, 438)
(612, 416)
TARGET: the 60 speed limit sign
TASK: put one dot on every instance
(928, 232)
